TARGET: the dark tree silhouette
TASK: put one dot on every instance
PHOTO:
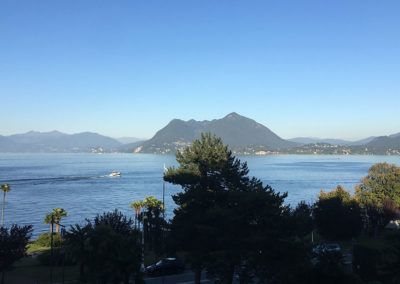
(13, 243)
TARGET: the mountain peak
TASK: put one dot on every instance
(234, 129)
(233, 115)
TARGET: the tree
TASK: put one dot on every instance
(224, 218)
(13, 245)
(5, 188)
(302, 219)
(137, 205)
(54, 217)
(337, 214)
(382, 182)
(379, 195)
(107, 249)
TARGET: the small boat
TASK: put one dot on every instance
(115, 174)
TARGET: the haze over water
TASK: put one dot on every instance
(79, 183)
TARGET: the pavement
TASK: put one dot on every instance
(187, 277)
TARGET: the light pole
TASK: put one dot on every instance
(142, 265)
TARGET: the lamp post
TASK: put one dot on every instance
(142, 265)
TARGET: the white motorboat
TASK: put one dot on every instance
(115, 174)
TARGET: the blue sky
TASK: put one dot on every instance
(126, 68)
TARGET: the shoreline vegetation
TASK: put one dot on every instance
(226, 223)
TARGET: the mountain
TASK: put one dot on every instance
(55, 141)
(36, 137)
(362, 141)
(7, 144)
(332, 141)
(392, 141)
(313, 140)
(235, 130)
(129, 140)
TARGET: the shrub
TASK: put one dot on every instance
(59, 256)
(44, 240)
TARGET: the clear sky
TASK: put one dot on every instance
(323, 68)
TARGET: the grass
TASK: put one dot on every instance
(31, 268)
(33, 248)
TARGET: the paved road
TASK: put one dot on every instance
(186, 277)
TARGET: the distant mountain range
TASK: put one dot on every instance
(313, 140)
(55, 141)
(128, 140)
(242, 134)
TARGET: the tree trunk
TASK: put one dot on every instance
(2, 210)
(197, 276)
(57, 228)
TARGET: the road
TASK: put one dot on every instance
(187, 277)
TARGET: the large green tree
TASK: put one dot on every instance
(337, 214)
(381, 183)
(5, 188)
(224, 218)
(379, 195)
(107, 249)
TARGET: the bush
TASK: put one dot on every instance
(59, 256)
(366, 261)
(44, 240)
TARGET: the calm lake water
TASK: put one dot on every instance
(77, 182)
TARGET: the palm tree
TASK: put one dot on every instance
(5, 188)
(55, 216)
(137, 205)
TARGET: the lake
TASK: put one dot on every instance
(78, 182)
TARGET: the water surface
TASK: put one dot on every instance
(78, 182)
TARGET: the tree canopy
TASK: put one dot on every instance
(13, 243)
(337, 214)
(107, 250)
(382, 182)
(55, 217)
(224, 218)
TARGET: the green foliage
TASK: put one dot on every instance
(381, 183)
(116, 220)
(154, 223)
(57, 214)
(60, 257)
(5, 188)
(44, 240)
(107, 250)
(379, 195)
(378, 259)
(13, 243)
(225, 218)
(365, 261)
(329, 269)
(302, 219)
(337, 215)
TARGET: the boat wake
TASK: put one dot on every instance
(52, 179)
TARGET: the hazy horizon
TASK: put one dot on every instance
(125, 68)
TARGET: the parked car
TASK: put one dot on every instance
(170, 265)
(326, 247)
